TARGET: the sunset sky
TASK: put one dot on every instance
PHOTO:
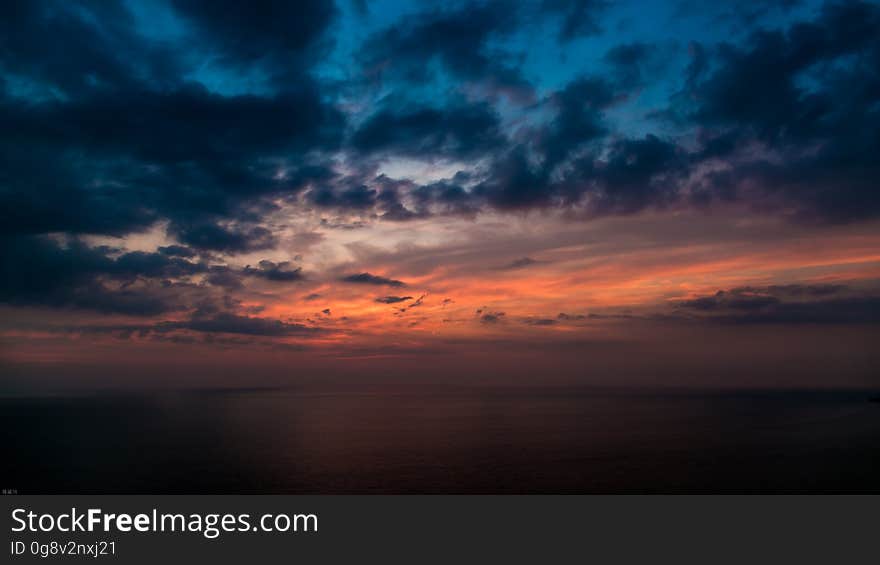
(665, 192)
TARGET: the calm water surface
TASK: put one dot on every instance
(443, 440)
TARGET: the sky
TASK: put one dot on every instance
(663, 193)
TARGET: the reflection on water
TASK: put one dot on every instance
(443, 440)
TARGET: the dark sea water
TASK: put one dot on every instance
(443, 440)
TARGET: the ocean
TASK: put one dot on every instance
(435, 439)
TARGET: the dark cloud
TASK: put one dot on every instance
(40, 271)
(517, 264)
(114, 136)
(540, 321)
(808, 94)
(276, 272)
(151, 265)
(94, 43)
(392, 299)
(312, 296)
(447, 197)
(617, 316)
(367, 278)
(579, 116)
(226, 239)
(635, 64)
(361, 7)
(132, 140)
(225, 277)
(342, 225)
(799, 93)
(456, 39)
(359, 197)
(787, 304)
(491, 317)
(735, 13)
(752, 297)
(465, 130)
(279, 37)
(638, 173)
(233, 278)
(736, 299)
(563, 317)
(415, 304)
(234, 324)
(578, 17)
(514, 182)
(528, 176)
(628, 55)
(395, 211)
(177, 251)
(222, 330)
